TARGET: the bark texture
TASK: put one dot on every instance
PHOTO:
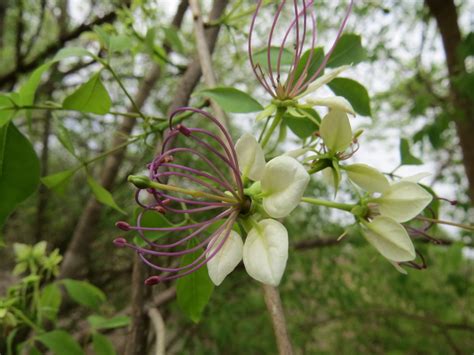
(445, 14)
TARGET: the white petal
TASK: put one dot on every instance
(403, 201)
(335, 130)
(333, 102)
(267, 112)
(323, 80)
(416, 178)
(226, 259)
(297, 152)
(283, 183)
(367, 178)
(390, 239)
(266, 252)
(250, 157)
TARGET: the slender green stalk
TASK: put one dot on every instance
(318, 202)
(439, 221)
(276, 122)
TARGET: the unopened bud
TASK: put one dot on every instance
(152, 280)
(123, 225)
(140, 181)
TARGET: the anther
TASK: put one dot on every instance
(160, 209)
(184, 130)
(120, 242)
(152, 280)
(123, 226)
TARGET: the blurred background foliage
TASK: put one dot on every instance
(339, 297)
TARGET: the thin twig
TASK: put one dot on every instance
(275, 309)
(160, 330)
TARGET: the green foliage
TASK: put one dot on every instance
(194, 291)
(232, 100)
(316, 61)
(304, 124)
(406, 157)
(98, 322)
(58, 181)
(260, 57)
(348, 51)
(49, 301)
(60, 342)
(84, 293)
(102, 195)
(19, 169)
(90, 97)
(102, 345)
(354, 92)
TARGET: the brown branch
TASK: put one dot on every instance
(52, 48)
(275, 309)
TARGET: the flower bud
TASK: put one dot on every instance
(120, 242)
(123, 225)
(152, 280)
(140, 181)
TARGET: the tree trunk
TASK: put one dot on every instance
(444, 11)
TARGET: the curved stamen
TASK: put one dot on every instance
(269, 44)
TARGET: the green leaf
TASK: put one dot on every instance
(58, 181)
(60, 342)
(72, 52)
(232, 100)
(65, 137)
(120, 43)
(316, 61)
(194, 291)
(6, 111)
(406, 157)
(84, 293)
(102, 345)
(303, 127)
(28, 89)
(19, 169)
(102, 195)
(348, 51)
(172, 38)
(49, 301)
(260, 57)
(354, 92)
(154, 220)
(99, 322)
(90, 97)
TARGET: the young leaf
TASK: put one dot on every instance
(194, 291)
(119, 43)
(90, 97)
(154, 220)
(354, 92)
(232, 100)
(65, 137)
(84, 293)
(348, 51)
(60, 342)
(102, 345)
(102, 195)
(6, 110)
(49, 301)
(172, 38)
(72, 52)
(58, 181)
(99, 322)
(406, 158)
(19, 169)
(28, 89)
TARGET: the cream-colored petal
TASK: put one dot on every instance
(226, 259)
(416, 178)
(267, 112)
(336, 131)
(283, 183)
(367, 178)
(333, 102)
(250, 157)
(323, 80)
(266, 252)
(403, 201)
(390, 239)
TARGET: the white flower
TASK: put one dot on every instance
(336, 131)
(322, 80)
(367, 178)
(266, 252)
(226, 259)
(403, 201)
(390, 239)
(250, 157)
(333, 102)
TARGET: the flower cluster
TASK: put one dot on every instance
(213, 200)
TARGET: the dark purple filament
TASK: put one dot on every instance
(270, 78)
(219, 178)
